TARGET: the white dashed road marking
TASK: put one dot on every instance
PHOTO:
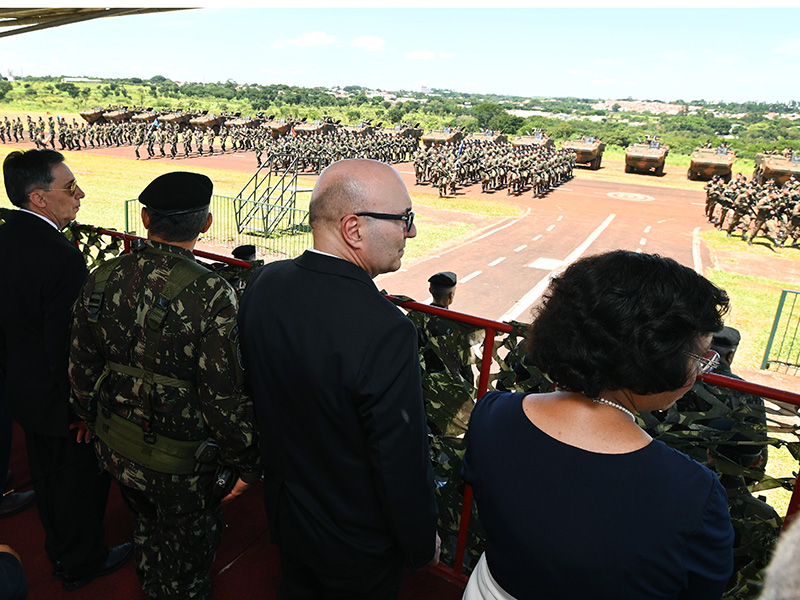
(546, 264)
(524, 303)
(470, 276)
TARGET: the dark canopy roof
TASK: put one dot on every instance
(23, 20)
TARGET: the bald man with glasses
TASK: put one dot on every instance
(336, 385)
(42, 274)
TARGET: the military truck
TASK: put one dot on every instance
(537, 137)
(93, 115)
(589, 150)
(489, 136)
(442, 136)
(777, 167)
(642, 157)
(707, 162)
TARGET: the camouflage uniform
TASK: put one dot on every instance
(197, 394)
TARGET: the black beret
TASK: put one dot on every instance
(726, 338)
(443, 279)
(245, 252)
(177, 193)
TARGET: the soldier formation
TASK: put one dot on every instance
(324, 148)
(495, 165)
(159, 139)
(771, 210)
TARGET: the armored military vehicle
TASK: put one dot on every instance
(118, 115)
(404, 130)
(278, 127)
(589, 150)
(707, 162)
(777, 167)
(536, 138)
(93, 115)
(179, 118)
(146, 116)
(323, 125)
(250, 122)
(206, 120)
(365, 127)
(442, 136)
(489, 136)
(642, 157)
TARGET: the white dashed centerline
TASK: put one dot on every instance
(537, 237)
(494, 263)
(470, 276)
(520, 247)
(551, 228)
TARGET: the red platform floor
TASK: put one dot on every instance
(246, 567)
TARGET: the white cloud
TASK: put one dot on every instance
(312, 38)
(370, 43)
(420, 55)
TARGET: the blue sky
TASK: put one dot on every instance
(666, 54)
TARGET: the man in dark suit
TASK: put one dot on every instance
(336, 385)
(46, 272)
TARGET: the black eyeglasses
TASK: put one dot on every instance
(407, 218)
(70, 189)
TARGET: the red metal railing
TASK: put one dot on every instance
(455, 573)
(491, 328)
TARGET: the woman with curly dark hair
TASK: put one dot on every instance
(577, 500)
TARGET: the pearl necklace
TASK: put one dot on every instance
(615, 405)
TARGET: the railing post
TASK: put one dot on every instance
(466, 505)
(765, 362)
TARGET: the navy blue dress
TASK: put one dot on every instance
(566, 523)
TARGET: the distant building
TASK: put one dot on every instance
(640, 106)
(80, 80)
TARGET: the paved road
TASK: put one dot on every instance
(503, 271)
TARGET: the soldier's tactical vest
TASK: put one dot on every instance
(139, 444)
